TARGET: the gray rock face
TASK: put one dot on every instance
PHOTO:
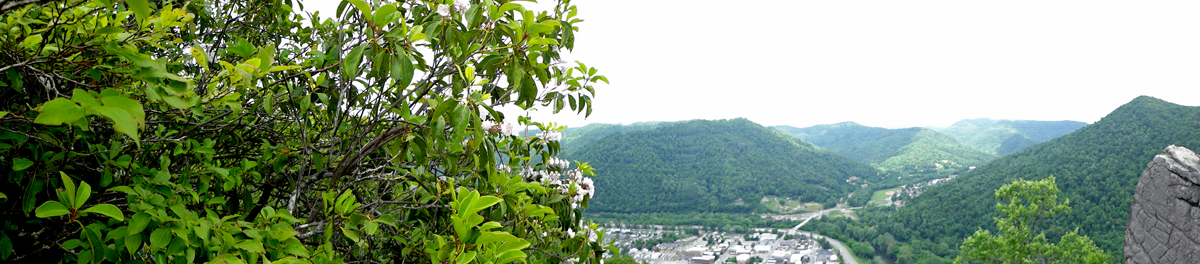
(1164, 221)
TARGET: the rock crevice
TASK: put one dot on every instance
(1164, 219)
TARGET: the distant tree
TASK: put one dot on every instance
(1030, 203)
(622, 260)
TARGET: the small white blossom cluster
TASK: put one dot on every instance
(507, 129)
(460, 6)
(582, 230)
(540, 175)
(584, 186)
(504, 168)
(558, 163)
(444, 10)
(550, 135)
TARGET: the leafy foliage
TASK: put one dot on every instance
(1019, 241)
(1001, 137)
(251, 131)
(713, 166)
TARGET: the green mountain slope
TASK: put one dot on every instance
(1001, 137)
(891, 149)
(1097, 168)
(712, 166)
(576, 137)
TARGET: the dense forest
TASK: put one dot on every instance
(1001, 137)
(909, 149)
(712, 166)
(576, 137)
(1097, 168)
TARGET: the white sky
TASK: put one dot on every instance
(883, 63)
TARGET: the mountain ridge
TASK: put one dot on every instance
(1097, 167)
(712, 166)
(912, 148)
(1003, 136)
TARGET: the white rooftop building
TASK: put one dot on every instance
(767, 237)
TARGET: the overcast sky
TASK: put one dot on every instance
(884, 63)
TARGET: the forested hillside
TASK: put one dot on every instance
(911, 149)
(1001, 137)
(1097, 168)
(712, 166)
(575, 137)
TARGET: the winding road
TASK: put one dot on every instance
(844, 253)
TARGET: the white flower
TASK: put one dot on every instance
(586, 189)
(506, 129)
(550, 135)
(461, 6)
(504, 168)
(509, 130)
(558, 163)
(443, 10)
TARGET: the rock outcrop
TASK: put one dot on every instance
(1164, 220)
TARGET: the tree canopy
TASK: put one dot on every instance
(1019, 240)
(254, 131)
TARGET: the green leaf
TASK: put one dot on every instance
(370, 227)
(543, 41)
(296, 249)
(362, 7)
(160, 238)
(482, 202)
(139, 222)
(32, 41)
(82, 194)
(124, 189)
(243, 48)
(465, 257)
(59, 111)
(107, 210)
(141, 8)
(69, 194)
(51, 209)
(109, 30)
(383, 16)
(282, 68)
(402, 70)
(5, 246)
(124, 160)
(84, 98)
(350, 63)
(351, 234)
(176, 102)
(505, 8)
(221, 171)
(133, 241)
(123, 122)
(490, 237)
(18, 83)
(20, 164)
(133, 107)
(251, 245)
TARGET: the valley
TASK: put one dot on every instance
(904, 195)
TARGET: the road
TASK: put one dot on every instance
(845, 252)
(846, 255)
